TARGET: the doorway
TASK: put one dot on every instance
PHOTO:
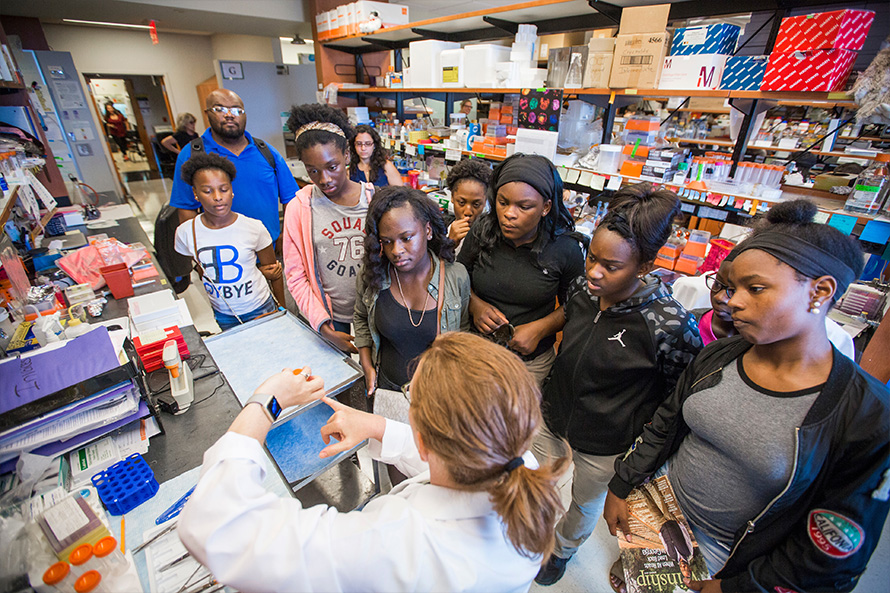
(135, 112)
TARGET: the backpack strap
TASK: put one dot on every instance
(267, 154)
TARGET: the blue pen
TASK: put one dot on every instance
(175, 509)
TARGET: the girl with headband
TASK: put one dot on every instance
(522, 257)
(477, 515)
(776, 444)
(324, 224)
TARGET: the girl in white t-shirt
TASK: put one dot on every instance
(235, 253)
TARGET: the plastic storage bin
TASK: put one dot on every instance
(117, 277)
(451, 72)
(480, 61)
(126, 484)
(426, 62)
(610, 159)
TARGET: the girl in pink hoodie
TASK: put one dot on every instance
(324, 224)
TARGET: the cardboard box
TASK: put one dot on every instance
(811, 70)
(321, 25)
(548, 42)
(744, 73)
(644, 19)
(659, 173)
(638, 60)
(709, 39)
(826, 181)
(838, 29)
(698, 71)
(598, 69)
(391, 15)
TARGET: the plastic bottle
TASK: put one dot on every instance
(870, 188)
(575, 73)
(59, 576)
(76, 328)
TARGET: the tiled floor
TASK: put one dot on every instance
(588, 571)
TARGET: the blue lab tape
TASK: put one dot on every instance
(719, 39)
(744, 73)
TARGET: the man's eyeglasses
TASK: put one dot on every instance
(716, 286)
(220, 110)
(364, 144)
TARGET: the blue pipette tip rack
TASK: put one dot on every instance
(126, 484)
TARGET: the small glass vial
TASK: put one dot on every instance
(110, 560)
(79, 558)
(89, 582)
(59, 576)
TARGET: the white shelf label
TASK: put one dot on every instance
(452, 154)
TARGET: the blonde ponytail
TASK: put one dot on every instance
(477, 408)
(528, 502)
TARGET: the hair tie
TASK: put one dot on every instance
(513, 464)
(320, 125)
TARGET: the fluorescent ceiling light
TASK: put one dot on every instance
(104, 24)
(289, 39)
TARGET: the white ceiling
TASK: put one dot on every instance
(270, 18)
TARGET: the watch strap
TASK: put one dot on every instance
(268, 403)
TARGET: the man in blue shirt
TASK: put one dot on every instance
(257, 188)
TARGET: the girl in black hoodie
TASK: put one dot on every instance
(625, 343)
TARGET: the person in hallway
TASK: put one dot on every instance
(522, 257)
(775, 444)
(324, 226)
(468, 183)
(234, 253)
(264, 180)
(625, 343)
(116, 127)
(476, 515)
(185, 133)
(466, 107)
(408, 275)
(369, 161)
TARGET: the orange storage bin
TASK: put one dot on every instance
(688, 265)
(642, 151)
(632, 168)
(663, 262)
(643, 124)
(670, 251)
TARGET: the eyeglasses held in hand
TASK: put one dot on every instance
(220, 110)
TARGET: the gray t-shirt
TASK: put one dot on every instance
(739, 453)
(338, 233)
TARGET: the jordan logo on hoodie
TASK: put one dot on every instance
(617, 338)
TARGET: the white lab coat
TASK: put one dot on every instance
(419, 537)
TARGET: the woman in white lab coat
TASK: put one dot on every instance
(478, 513)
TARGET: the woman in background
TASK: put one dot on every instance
(116, 126)
(468, 183)
(185, 133)
(369, 162)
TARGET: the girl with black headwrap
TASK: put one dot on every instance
(776, 444)
(522, 259)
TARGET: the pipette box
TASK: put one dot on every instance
(70, 523)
